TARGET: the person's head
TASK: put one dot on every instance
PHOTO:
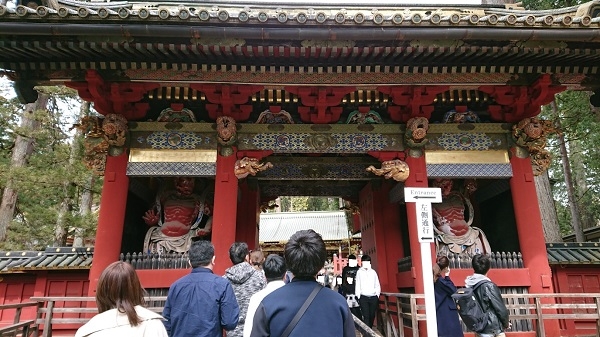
(352, 260)
(274, 267)
(257, 258)
(365, 261)
(481, 264)
(201, 254)
(184, 185)
(119, 288)
(440, 267)
(305, 253)
(238, 252)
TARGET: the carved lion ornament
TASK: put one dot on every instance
(531, 133)
(226, 130)
(249, 166)
(100, 136)
(416, 131)
(395, 169)
(115, 129)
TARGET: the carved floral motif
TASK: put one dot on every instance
(531, 133)
(226, 130)
(245, 166)
(395, 169)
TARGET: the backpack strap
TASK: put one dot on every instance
(477, 285)
(302, 310)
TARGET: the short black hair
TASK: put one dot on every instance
(305, 253)
(238, 252)
(351, 257)
(481, 263)
(365, 258)
(201, 253)
(274, 267)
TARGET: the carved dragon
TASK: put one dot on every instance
(247, 165)
(395, 169)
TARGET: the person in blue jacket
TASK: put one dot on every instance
(448, 323)
(327, 315)
(201, 303)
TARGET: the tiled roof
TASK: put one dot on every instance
(573, 253)
(278, 227)
(53, 258)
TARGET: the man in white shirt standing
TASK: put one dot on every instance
(275, 270)
(367, 290)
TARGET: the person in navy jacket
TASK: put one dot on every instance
(448, 322)
(328, 314)
(201, 303)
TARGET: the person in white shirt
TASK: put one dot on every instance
(275, 271)
(367, 290)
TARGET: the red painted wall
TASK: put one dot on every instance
(575, 279)
(16, 288)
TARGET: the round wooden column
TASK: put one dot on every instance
(111, 218)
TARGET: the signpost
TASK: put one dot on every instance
(423, 197)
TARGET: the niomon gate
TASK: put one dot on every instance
(218, 90)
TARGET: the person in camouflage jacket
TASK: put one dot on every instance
(245, 280)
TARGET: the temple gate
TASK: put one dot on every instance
(255, 100)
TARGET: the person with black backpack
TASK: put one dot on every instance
(489, 298)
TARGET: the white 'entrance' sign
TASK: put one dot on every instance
(423, 197)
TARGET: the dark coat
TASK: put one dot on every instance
(490, 299)
(200, 304)
(448, 324)
(328, 315)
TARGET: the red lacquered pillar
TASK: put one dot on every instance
(225, 211)
(111, 218)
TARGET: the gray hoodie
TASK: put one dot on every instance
(246, 281)
(472, 280)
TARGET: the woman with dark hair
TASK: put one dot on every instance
(447, 317)
(120, 300)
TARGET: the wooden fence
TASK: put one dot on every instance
(527, 311)
(72, 312)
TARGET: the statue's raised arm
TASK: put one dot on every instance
(178, 215)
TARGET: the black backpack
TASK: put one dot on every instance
(469, 309)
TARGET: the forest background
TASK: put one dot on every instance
(49, 197)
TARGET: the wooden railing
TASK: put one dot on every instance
(76, 311)
(527, 311)
(500, 260)
(25, 327)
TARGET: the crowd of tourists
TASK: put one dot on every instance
(257, 296)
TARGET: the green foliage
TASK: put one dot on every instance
(307, 204)
(50, 176)
(549, 4)
(581, 130)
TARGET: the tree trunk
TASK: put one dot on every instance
(85, 208)
(20, 153)
(575, 219)
(87, 195)
(580, 184)
(547, 209)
